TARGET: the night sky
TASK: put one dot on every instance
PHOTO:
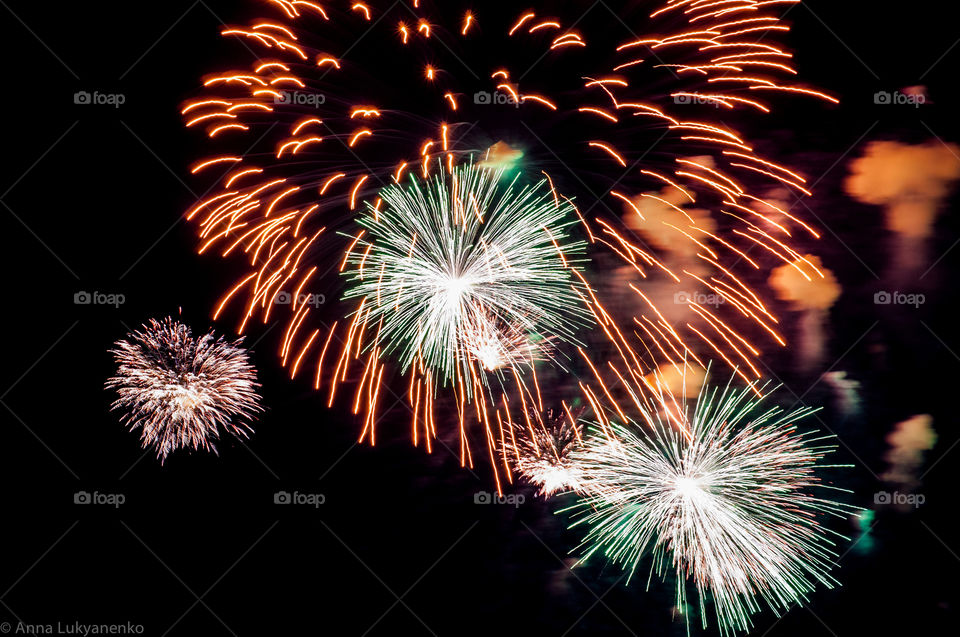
(92, 201)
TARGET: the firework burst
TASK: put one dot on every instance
(463, 268)
(496, 344)
(729, 505)
(180, 390)
(543, 448)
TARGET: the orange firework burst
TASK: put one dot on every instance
(342, 100)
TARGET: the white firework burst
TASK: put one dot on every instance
(727, 504)
(180, 390)
(496, 344)
(468, 266)
(542, 455)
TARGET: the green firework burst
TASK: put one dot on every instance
(728, 505)
(468, 266)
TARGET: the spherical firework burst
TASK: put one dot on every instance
(180, 390)
(728, 504)
(542, 450)
(465, 268)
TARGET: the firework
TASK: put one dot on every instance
(180, 390)
(465, 267)
(728, 504)
(497, 344)
(626, 124)
(542, 453)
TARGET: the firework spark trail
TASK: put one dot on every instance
(275, 208)
(732, 508)
(179, 390)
